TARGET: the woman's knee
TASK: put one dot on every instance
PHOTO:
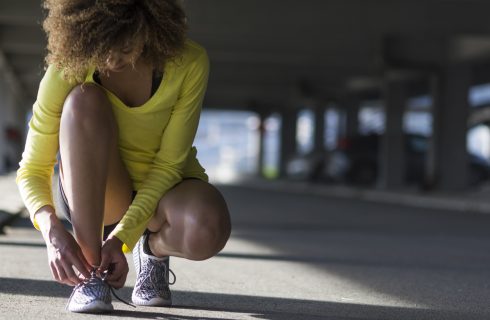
(87, 106)
(207, 230)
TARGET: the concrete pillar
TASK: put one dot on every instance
(391, 167)
(12, 108)
(13, 120)
(450, 131)
(319, 133)
(431, 171)
(261, 146)
(350, 104)
(4, 109)
(289, 118)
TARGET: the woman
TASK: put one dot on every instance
(120, 101)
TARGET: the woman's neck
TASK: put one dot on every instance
(132, 85)
(139, 67)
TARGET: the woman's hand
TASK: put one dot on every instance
(63, 251)
(64, 254)
(114, 261)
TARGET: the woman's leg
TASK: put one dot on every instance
(94, 178)
(191, 221)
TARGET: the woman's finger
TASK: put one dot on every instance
(118, 282)
(87, 265)
(119, 269)
(54, 271)
(62, 277)
(70, 274)
(118, 277)
(78, 263)
(105, 261)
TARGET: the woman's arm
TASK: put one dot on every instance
(36, 169)
(35, 173)
(176, 143)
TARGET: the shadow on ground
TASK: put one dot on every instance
(431, 258)
(256, 307)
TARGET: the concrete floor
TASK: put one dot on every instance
(294, 256)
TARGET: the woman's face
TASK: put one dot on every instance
(120, 59)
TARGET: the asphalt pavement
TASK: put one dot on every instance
(292, 255)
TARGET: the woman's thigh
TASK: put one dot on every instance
(118, 191)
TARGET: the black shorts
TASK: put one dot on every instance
(62, 206)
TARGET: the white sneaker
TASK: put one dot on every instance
(91, 296)
(152, 280)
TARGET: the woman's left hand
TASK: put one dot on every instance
(114, 261)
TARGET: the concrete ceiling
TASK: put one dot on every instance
(269, 52)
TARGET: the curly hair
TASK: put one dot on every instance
(81, 33)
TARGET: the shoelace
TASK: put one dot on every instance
(104, 276)
(167, 281)
(173, 274)
(94, 282)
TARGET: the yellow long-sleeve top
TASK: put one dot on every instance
(155, 139)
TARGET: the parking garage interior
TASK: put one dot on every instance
(309, 76)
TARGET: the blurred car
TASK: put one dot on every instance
(306, 167)
(355, 161)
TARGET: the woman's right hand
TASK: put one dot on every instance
(64, 254)
(63, 251)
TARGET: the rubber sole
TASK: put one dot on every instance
(93, 307)
(154, 302)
